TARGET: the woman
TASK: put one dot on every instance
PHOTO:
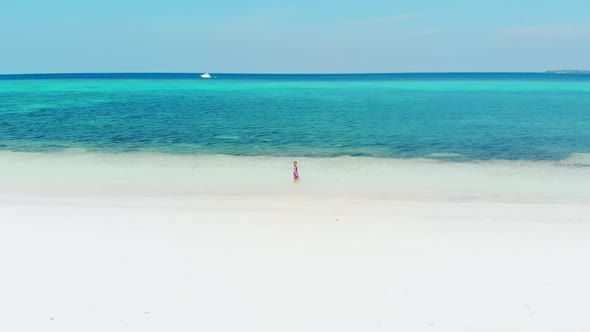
(295, 172)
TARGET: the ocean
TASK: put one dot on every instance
(442, 116)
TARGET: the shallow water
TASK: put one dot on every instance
(458, 117)
(89, 174)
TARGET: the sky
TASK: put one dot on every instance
(302, 36)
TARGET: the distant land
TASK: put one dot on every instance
(569, 71)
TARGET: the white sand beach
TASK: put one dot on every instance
(147, 242)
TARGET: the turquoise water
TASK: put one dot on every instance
(449, 116)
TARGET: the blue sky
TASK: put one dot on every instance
(302, 36)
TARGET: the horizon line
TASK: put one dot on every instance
(283, 73)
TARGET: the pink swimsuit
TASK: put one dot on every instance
(295, 173)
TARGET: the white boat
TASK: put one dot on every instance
(206, 75)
